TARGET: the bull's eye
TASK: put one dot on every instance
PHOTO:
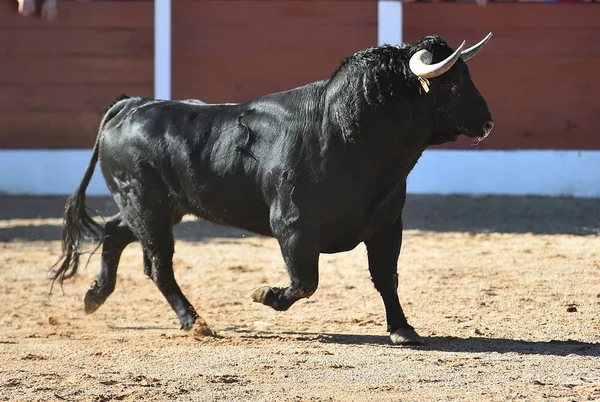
(449, 86)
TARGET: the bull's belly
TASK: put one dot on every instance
(344, 240)
(234, 210)
(340, 248)
(342, 234)
(255, 223)
(242, 206)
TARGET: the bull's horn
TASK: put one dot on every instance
(473, 50)
(418, 63)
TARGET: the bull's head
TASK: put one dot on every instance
(457, 105)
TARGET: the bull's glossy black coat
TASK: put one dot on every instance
(321, 168)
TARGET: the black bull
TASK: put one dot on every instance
(321, 168)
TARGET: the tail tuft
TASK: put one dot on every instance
(78, 227)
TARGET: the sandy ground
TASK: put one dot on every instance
(505, 291)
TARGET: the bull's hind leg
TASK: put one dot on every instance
(117, 235)
(151, 218)
(146, 205)
(159, 249)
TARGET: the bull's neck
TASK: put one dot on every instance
(392, 143)
(385, 155)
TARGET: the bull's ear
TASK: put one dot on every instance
(473, 50)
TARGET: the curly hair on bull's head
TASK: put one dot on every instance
(425, 83)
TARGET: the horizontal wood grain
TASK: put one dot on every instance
(36, 70)
(84, 15)
(67, 98)
(48, 130)
(245, 13)
(500, 16)
(222, 55)
(137, 42)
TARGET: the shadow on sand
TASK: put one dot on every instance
(447, 343)
(490, 214)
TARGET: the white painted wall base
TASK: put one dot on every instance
(520, 172)
(47, 172)
(551, 173)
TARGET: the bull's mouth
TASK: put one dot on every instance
(477, 140)
(480, 138)
(466, 133)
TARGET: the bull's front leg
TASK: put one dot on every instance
(301, 257)
(383, 250)
(299, 246)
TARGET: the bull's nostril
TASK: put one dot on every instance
(488, 126)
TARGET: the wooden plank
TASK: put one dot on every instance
(84, 14)
(291, 38)
(48, 130)
(84, 97)
(311, 39)
(500, 16)
(27, 70)
(275, 58)
(223, 90)
(222, 80)
(197, 14)
(521, 42)
(137, 42)
(272, 1)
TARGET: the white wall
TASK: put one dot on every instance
(552, 173)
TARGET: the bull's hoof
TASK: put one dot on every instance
(405, 336)
(91, 302)
(90, 305)
(188, 321)
(261, 294)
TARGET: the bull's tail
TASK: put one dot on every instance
(77, 224)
